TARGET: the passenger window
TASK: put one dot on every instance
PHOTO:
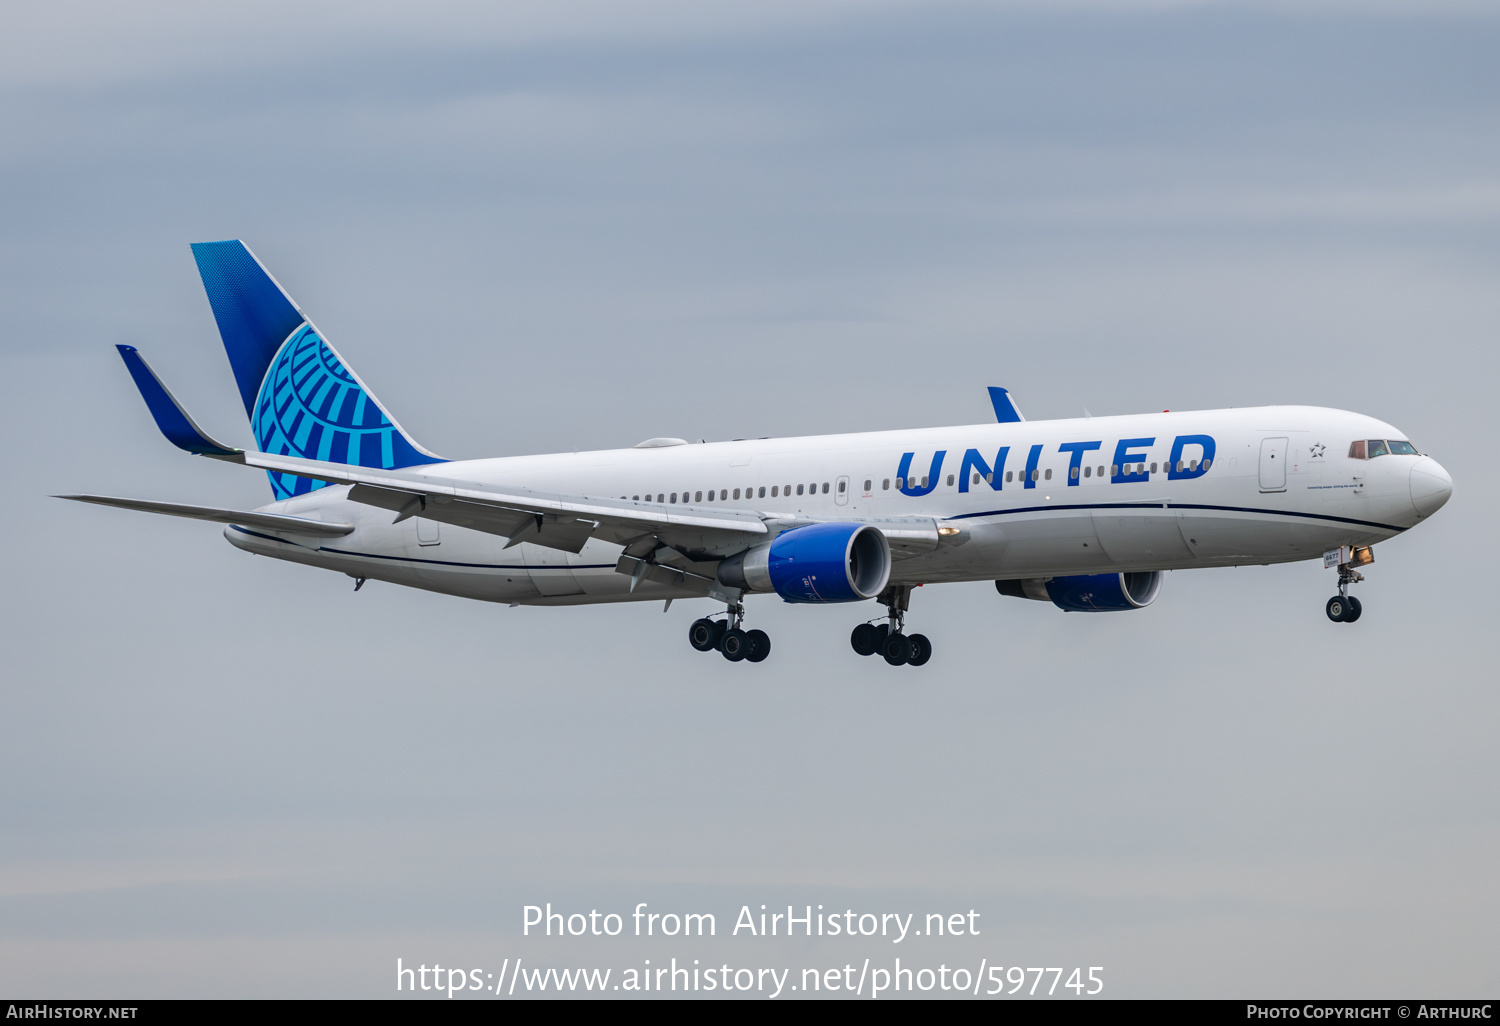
(1404, 449)
(885, 485)
(1206, 464)
(799, 489)
(924, 480)
(736, 493)
(637, 498)
(1377, 448)
(1193, 465)
(775, 489)
(989, 479)
(867, 484)
(696, 498)
(674, 496)
(786, 490)
(898, 482)
(1035, 474)
(762, 491)
(1048, 474)
(1153, 468)
(1088, 471)
(976, 478)
(1179, 466)
(1357, 450)
(825, 487)
(841, 487)
(1073, 473)
(1114, 470)
(1010, 475)
(950, 480)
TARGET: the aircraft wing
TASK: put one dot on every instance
(563, 522)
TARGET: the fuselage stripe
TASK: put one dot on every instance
(475, 566)
(1175, 505)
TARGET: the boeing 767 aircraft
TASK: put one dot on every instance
(1086, 514)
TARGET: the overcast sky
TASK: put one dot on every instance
(546, 227)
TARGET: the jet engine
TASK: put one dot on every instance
(817, 563)
(1089, 593)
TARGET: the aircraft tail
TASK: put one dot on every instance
(301, 397)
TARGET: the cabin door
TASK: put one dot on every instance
(1273, 465)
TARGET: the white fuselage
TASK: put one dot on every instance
(1280, 487)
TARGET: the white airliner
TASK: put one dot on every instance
(1086, 514)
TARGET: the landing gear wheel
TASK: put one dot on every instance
(1338, 609)
(760, 645)
(1354, 610)
(866, 639)
(921, 650)
(736, 645)
(896, 649)
(704, 634)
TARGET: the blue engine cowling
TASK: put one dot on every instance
(817, 563)
(1089, 593)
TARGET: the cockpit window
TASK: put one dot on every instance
(1369, 448)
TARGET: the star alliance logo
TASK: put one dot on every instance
(1318, 450)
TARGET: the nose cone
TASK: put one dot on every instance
(1430, 486)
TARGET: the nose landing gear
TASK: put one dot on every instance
(895, 646)
(1344, 607)
(735, 644)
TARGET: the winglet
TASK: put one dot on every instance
(168, 412)
(1005, 407)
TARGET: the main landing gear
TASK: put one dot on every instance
(897, 648)
(1344, 607)
(726, 635)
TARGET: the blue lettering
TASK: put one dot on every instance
(1032, 458)
(1185, 473)
(910, 487)
(1077, 449)
(1124, 458)
(975, 462)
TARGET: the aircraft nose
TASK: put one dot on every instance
(1430, 486)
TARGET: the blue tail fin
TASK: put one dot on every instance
(302, 398)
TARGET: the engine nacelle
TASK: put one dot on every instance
(817, 563)
(1089, 593)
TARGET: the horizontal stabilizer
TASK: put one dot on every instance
(1006, 411)
(265, 521)
(168, 412)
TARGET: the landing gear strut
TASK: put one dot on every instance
(889, 639)
(1344, 607)
(727, 636)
